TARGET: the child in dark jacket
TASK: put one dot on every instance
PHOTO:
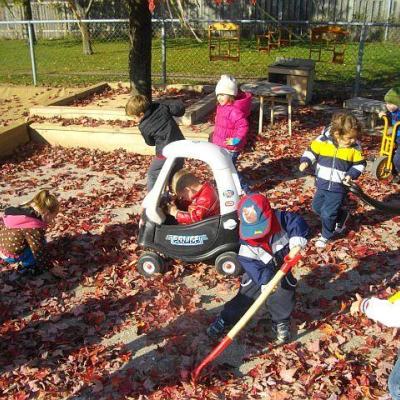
(22, 235)
(231, 120)
(158, 128)
(392, 100)
(267, 236)
(339, 160)
(201, 199)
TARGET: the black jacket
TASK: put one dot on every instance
(158, 126)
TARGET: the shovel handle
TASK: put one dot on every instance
(288, 264)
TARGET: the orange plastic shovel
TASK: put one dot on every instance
(288, 264)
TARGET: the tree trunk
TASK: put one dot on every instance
(80, 13)
(140, 51)
(86, 42)
(26, 4)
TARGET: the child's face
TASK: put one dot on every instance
(224, 99)
(187, 194)
(391, 107)
(137, 118)
(345, 140)
(49, 217)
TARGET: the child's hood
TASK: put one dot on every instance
(243, 102)
(22, 217)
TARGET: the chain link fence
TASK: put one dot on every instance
(52, 52)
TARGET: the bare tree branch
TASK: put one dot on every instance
(88, 7)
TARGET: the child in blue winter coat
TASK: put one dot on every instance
(338, 156)
(392, 100)
(267, 236)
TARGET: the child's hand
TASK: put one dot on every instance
(293, 251)
(381, 114)
(303, 166)
(232, 141)
(58, 271)
(355, 306)
(346, 180)
(172, 210)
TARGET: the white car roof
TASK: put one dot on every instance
(213, 155)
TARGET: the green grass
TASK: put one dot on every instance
(62, 62)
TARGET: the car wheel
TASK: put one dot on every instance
(150, 264)
(227, 264)
(379, 168)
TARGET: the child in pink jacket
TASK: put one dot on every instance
(231, 120)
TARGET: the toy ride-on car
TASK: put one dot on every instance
(383, 165)
(215, 238)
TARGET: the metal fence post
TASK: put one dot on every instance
(389, 13)
(163, 53)
(363, 38)
(32, 53)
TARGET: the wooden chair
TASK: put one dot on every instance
(224, 41)
(328, 38)
(273, 38)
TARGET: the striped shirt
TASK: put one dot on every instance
(333, 162)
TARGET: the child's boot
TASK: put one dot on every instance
(216, 328)
(282, 331)
(396, 179)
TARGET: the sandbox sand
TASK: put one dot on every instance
(15, 101)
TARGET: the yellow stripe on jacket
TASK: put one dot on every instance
(394, 298)
(328, 149)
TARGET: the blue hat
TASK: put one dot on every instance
(255, 215)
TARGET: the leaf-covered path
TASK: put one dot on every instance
(105, 332)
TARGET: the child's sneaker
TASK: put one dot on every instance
(321, 242)
(341, 225)
(217, 328)
(282, 332)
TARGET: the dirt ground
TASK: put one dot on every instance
(105, 332)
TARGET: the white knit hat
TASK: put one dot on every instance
(226, 85)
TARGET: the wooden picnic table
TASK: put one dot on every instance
(269, 91)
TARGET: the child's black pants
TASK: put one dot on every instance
(280, 304)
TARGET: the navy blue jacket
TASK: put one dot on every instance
(261, 265)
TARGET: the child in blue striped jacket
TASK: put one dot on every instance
(267, 235)
(338, 156)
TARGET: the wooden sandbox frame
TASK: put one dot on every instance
(106, 138)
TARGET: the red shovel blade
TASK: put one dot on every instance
(225, 342)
